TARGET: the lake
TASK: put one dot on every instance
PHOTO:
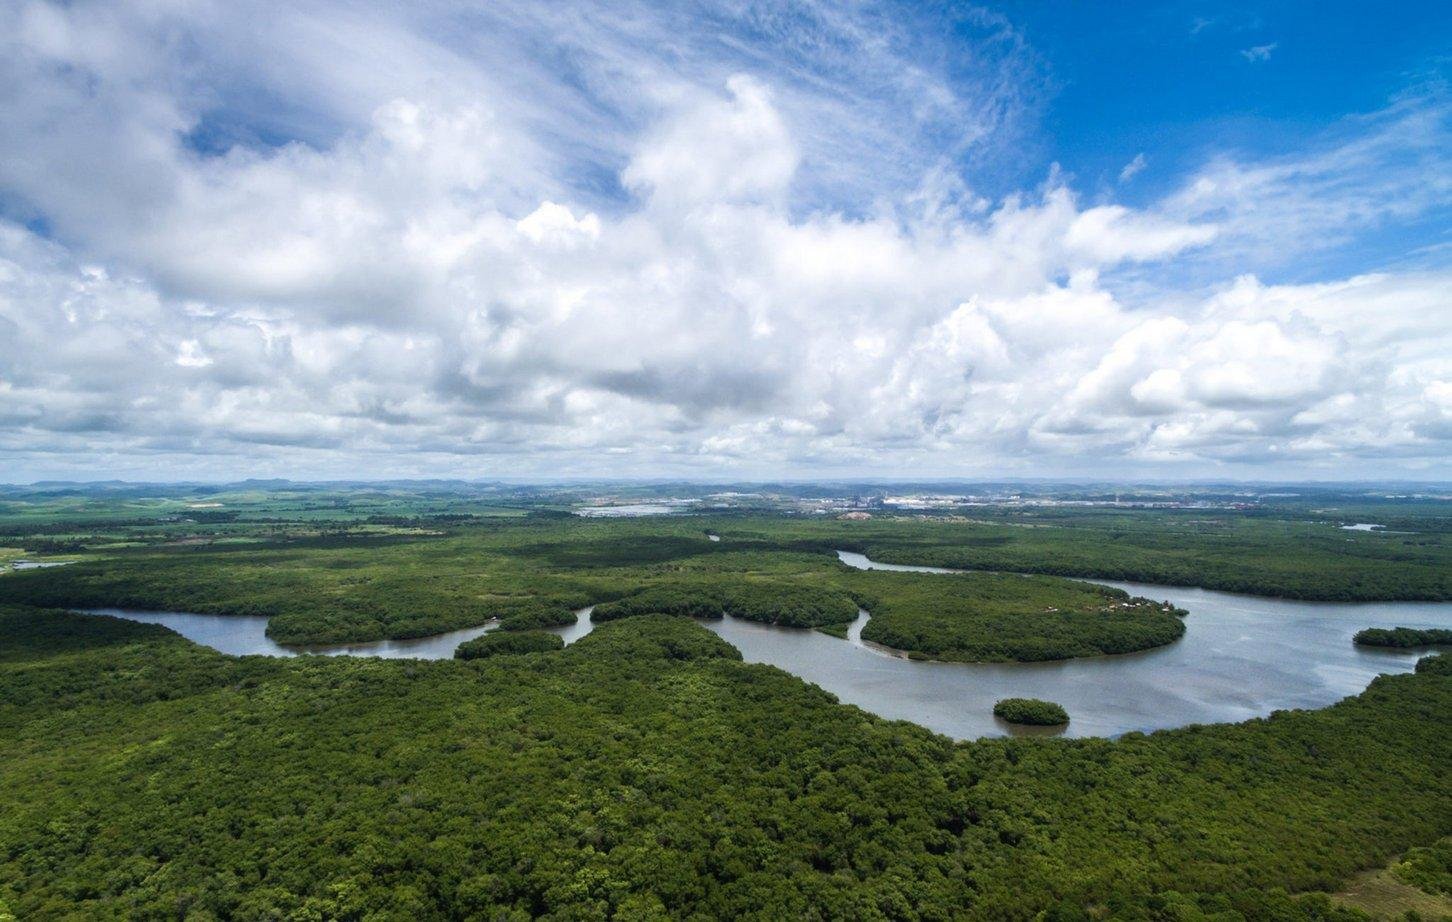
(1241, 657)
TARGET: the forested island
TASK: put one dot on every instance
(1403, 637)
(1031, 712)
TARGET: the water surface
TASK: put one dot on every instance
(1241, 657)
(573, 632)
(626, 510)
(246, 635)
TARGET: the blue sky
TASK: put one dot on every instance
(734, 239)
(1178, 81)
(1182, 83)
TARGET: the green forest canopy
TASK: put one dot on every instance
(535, 575)
(645, 770)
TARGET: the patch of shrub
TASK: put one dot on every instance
(1031, 711)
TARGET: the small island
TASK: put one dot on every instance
(1402, 637)
(1031, 711)
(498, 643)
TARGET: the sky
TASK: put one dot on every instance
(353, 240)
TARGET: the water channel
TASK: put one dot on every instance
(1241, 657)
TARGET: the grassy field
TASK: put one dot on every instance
(1383, 896)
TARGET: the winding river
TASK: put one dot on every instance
(1241, 657)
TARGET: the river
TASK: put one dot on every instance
(1241, 657)
(246, 635)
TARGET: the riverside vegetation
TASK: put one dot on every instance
(646, 772)
(531, 574)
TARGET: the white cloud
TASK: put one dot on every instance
(1112, 233)
(733, 150)
(425, 286)
(556, 225)
(1133, 168)
(1372, 172)
(1257, 53)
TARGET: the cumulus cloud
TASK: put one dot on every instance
(728, 150)
(427, 284)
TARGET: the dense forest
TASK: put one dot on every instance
(301, 554)
(531, 574)
(646, 772)
(315, 591)
(1258, 555)
(714, 596)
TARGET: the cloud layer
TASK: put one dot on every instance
(341, 245)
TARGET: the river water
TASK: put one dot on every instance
(1241, 657)
(246, 635)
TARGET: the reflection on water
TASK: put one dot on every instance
(1241, 657)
